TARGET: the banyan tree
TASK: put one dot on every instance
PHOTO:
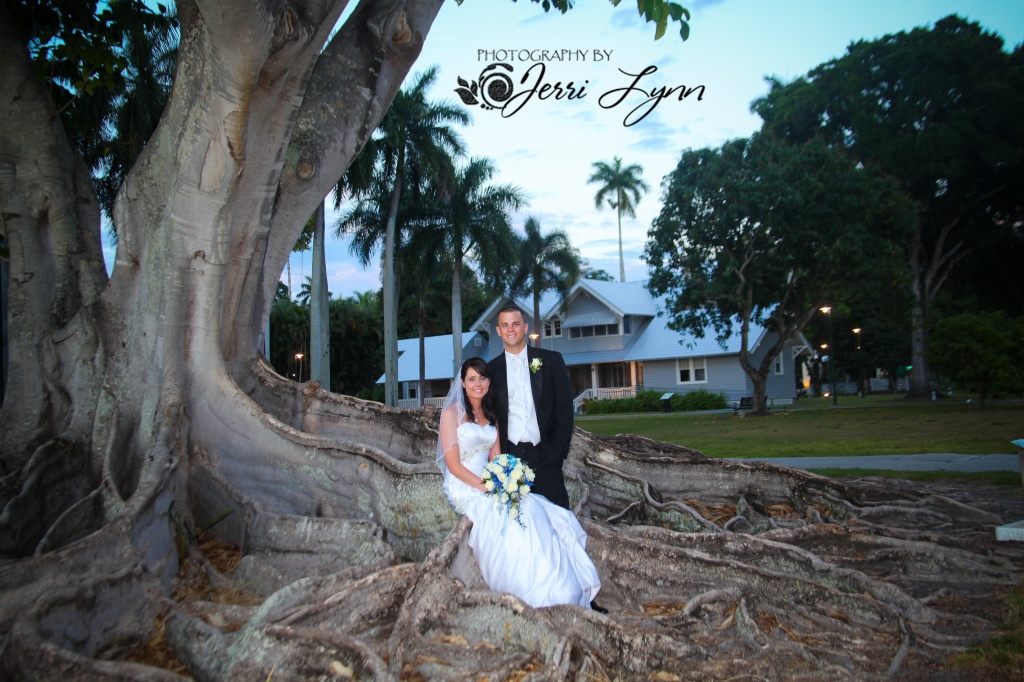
(164, 490)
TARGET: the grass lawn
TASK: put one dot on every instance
(813, 428)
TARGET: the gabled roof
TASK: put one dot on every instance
(440, 357)
(658, 342)
(622, 298)
(548, 300)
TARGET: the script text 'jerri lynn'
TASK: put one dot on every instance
(651, 96)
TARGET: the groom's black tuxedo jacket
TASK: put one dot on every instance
(552, 398)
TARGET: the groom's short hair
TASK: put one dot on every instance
(513, 308)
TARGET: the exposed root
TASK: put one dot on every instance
(719, 570)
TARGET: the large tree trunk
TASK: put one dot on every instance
(421, 315)
(622, 261)
(319, 308)
(145, 424)
(931, 266)
(457, 311)
(390, 284)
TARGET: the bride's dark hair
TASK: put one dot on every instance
(489, 402)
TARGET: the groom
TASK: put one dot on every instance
(534, 405)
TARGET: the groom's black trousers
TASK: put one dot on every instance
(548, 479)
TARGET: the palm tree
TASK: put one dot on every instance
(424, 259)
(475, 224)
(545, 262)
(625, 187)
(319, 307)
(415, 141)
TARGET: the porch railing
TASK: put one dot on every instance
(616, 393)
(613, 393)
(415, 402)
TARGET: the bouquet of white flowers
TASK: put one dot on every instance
(508, 480)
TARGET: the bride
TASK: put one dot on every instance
(543, 561)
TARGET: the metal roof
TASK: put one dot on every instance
(624, 298)
(440, 356)
(658, 342)
(589, 319)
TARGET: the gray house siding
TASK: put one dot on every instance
(564, 344)
(724, 376)
(585, 304)
(778, 385)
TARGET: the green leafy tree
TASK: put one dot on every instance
(357, 334)
(546, 262)
(589, 272)
(621, 188)
(658, 12)
(109, 68)
(767, 232)
(289, 335)
(937, 109)
(415, 140)
(981, 352)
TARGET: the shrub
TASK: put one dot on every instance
(650, 401)
(701, 399)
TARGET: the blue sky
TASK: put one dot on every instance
(547, 146)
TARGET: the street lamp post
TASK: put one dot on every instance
(862, 384)
(298, 358)
(832, 355)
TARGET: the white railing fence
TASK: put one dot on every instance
(615, 393)
(415, 402)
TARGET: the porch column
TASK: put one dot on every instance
(632, 374)
(593, 376)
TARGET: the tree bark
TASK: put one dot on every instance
(390, 284)
(457, 311)
(319, 308)
(147, 426)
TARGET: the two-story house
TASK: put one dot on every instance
(614, 343)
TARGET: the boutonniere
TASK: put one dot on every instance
(536, 364)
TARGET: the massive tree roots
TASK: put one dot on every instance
(353, 567)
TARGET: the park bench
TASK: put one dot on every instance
(745, 403)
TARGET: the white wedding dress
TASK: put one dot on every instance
(543, 564)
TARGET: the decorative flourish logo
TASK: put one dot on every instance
(491, 90)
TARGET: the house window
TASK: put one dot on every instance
(778, 366)
(594, 330)
(552, 328)
(627, 324)
(410, 390)
(692, 370)
(477, 341)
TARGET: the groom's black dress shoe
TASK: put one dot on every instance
(599, 609)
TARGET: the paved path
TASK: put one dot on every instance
(936, 461)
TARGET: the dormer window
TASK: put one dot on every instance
(552, 328)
